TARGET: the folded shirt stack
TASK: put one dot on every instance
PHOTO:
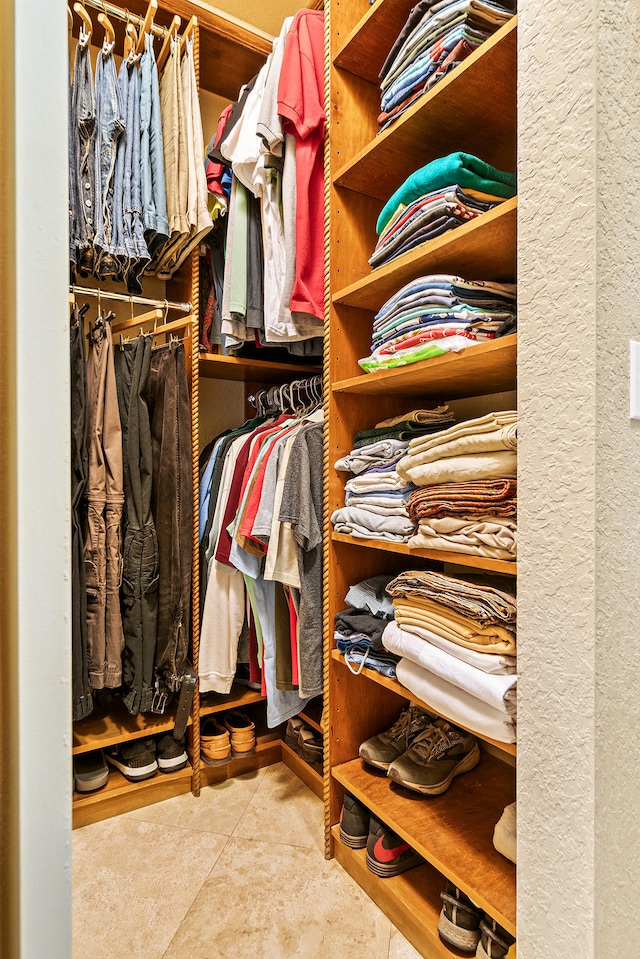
(438, 35)
(457, 641)
(376, 496)
(439, 313)
(359, 629)
(470, 471)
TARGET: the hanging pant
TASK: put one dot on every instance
(105, 499)
(82, 700)
(167, 396)
(140, 554)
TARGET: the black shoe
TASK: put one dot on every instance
(90, 772)
(171, 754)
(459, 923)
(310, 744)
(388, 854)
(354, 823)
(135, 760)
(495, 941)
(380, 751)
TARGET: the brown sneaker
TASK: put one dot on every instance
(310, 744)
(243, 733)
(215, 746)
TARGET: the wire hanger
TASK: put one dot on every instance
(87, 25)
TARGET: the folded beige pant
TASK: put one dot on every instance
(487, 536)
(451, 625)
(482, 424)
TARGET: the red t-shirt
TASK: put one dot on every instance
(301, 105)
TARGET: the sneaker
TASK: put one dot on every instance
(354, 823)
(495, 941)
(90, 772)
(215, 744)
(311, 744)
(171, 754)
(242, 732)
(380, 751)
(388, 854)
(136, 760)
(294, 726)
(459, 922)
(436, 756)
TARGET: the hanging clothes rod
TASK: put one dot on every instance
(126, 298)
(112, 11)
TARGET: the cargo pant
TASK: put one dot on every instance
(105, 499)
(167, 397)
(140, 556)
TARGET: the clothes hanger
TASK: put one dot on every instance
(130, 43)
(70, 17)
(87, 25)
(171, 34)
(147, 24)
(109, 34)
(188, 32)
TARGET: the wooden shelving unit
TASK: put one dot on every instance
(261, 371)
(439, 555)
(310, 775)
(120, 795)
(238, 698)
(102, 730)
(267, 753)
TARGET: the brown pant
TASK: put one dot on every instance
(105, 499)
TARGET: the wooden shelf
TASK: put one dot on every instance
(454, 832)
(366, 48)
(120, 795)
(473, 109)
(309, 775)
(400, 690)
(106, 729)
(411, 901)
(239, 697)
(440, 555)
(483, 248)
(477, 371)
(312, 714)
(267, 753)
(259, 371)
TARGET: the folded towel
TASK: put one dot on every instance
(478, 498)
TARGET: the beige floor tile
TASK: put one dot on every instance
(266, 901)
(283, 810)
(217, 810)
(401, 948)
(132, 885)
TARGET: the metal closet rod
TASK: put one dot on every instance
(112, 11)
(126, 298)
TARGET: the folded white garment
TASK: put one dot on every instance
(453, 703)
(505, 834)
(375, 482)
(376, 499)
(368, 525)
(503, 439)
(357, 461)
(489, 536)
(487, 662)
(488, 423)
(502, 464)
(496, 691)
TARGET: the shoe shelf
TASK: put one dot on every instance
(453, 832)
(238, 368)
(312, 714)
(396, 687)
(482, 247)
(310, 775)
(120, 795)
(439, 555)
(411, 900)
(100, 730)
(472, 109)
(267, 753)
(239, 697)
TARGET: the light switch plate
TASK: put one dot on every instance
(634, 380)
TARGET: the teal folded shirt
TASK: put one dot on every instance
(462, 169)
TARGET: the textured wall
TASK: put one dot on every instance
(557, 450)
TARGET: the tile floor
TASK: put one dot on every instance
(237, 874)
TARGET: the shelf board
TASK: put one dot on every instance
(483, 248)
(220, 367)
(481, 369)
(106, 729)
(454, 832)
(400, 690)
(303, 770)
(440, 555)
(365, 49)
(411, 901)
(267, 753)
(239, 697)
(312, 714)
(120, 795)
(473, 109)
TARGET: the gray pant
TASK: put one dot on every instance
(82, 185)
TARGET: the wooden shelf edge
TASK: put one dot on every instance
(411, 901)
(396, 687)
(267, 753)
(120, 795)
(303, 770)
(215, 365)
(310, 721)
(375, 12)
(239, 697)
(118, 728)
(440, 556)
(455, 78)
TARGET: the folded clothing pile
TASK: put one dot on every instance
(457, 641)
(436, 314)
(467, 496)
(376, 496)
(438, 35)
(358, 629)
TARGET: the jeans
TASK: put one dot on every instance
(83, 160)
(167, 396)
(105, 499)
(82, 701)
(140, 555)
(110, 126)
(152, 182)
